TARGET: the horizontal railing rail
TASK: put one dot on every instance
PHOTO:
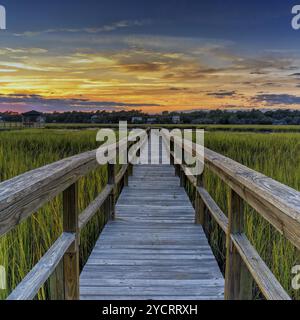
(277, 203)
(25, 194)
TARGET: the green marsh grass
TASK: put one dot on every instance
(275, 155)
(24, 150)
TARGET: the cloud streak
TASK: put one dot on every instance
(26, 102)
(278, 99)
(90, 30)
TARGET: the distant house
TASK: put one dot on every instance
(1, 119)
(176, 119)
(94, 119)
(151, 120)
(280, 122)
(136, 119)
(33, 119)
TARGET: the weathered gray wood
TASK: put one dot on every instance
(94, 206)
(112, 182)
(214, 209)
(121, 173)
(238, 281)
(276, 202)
(266, 281)
(25, 194)
(152, 249)
(34, 280)
(199, 203)
(56, 283)
(71, 257)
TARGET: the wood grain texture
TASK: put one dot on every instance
(238, 281)
(25, 194)
(214, 209)
(266, 281)
(276, 202)
(71, 257)
(94, 206)
(153, 249)
(34, 280)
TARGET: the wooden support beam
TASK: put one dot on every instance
(182, 177)
(126, 177)
(57, 290)
(238, 280)
(112, 181)
(199, 203)
(71, 257)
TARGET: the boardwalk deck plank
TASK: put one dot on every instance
(153, 249)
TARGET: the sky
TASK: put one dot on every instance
(153, 55)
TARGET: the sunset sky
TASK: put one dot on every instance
(149, 55)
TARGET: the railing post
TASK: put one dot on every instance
(126, 176)
(112, 181)
(238, 281)
(182, 177)
(199, 204)
(172, 152)
(57, 291)
(71, 257)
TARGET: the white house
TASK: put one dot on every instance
(151, 120)
(176, 119)
(136, 119)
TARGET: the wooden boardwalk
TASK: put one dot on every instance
(153, 249)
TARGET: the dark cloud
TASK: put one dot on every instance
(278, 99)
(178, 89)
(222, 94)
(144, 67)
(40, 103)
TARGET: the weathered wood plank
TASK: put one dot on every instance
(34, 280)
(71, 257)
(276, 202)
(214, 209)
(94, 206)
(153, 249)
(26, 193)
(266, 281)
(238, 281)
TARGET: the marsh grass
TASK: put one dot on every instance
(21, 151)
(277, 156)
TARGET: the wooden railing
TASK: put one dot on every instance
(25, 194)
(11, 125)
(278, 204)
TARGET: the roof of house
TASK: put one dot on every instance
(32, 113)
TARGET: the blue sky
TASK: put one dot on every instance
(146, 49)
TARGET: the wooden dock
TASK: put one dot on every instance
(153, 249)
(153, 246)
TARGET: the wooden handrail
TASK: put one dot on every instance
(277, 203)
(31, 284)
(25, 194)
